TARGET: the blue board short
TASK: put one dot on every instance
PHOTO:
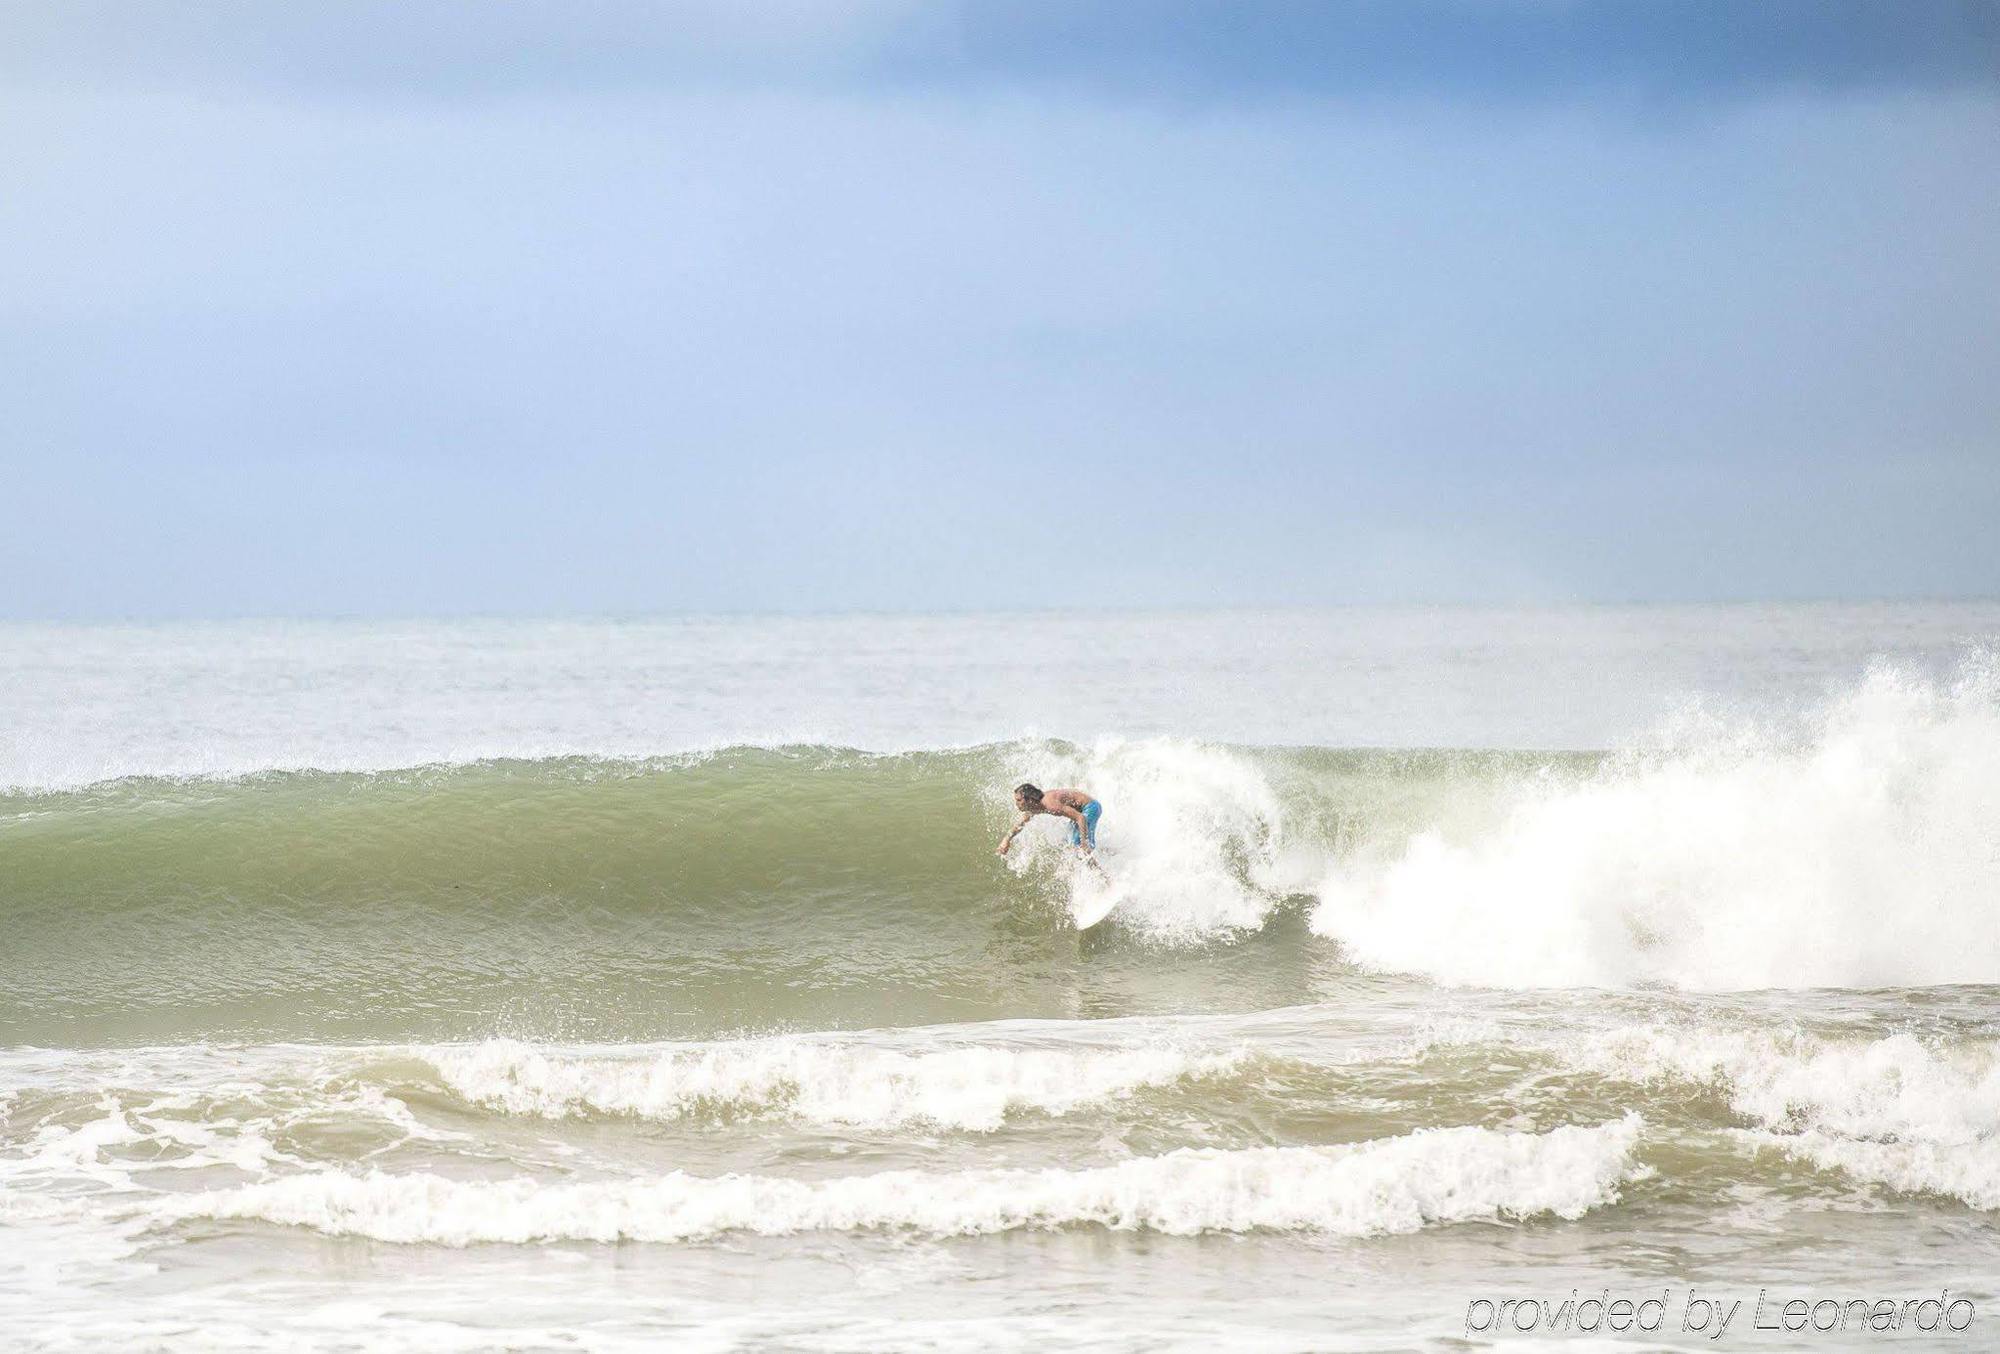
(1090, 814)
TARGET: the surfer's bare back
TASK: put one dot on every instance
(1079, 806)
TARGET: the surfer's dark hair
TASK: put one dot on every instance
(1027, 791)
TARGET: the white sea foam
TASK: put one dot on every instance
(1733, 860)
(108, 1121)
(1969, 1172)
(813, 1080)
(1895, 1110)
(1391, 1185)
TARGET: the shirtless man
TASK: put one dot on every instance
(1075, 805)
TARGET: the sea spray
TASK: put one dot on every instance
(1196, 835)
(1865, 853)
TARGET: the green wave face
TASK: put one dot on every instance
(745, 890)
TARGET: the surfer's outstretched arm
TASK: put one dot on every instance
(1008, 840)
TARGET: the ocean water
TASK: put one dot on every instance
(643, 984)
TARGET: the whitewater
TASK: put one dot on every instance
(505, 984)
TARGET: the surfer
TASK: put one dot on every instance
(1079, 806)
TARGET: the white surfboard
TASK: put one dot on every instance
(1091, 901)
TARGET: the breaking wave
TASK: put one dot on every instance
(1858, 848)
(1864, 852)
(1392, 1185)
(1898, 1111)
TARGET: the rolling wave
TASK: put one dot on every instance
(1916, 1116)
(1392, 1185)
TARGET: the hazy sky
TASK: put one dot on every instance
(416, 306)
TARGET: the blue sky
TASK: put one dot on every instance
(421, 306)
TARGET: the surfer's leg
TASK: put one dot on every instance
(1091, 811)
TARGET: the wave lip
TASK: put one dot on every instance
(972, 1088)
(1392, 1185)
